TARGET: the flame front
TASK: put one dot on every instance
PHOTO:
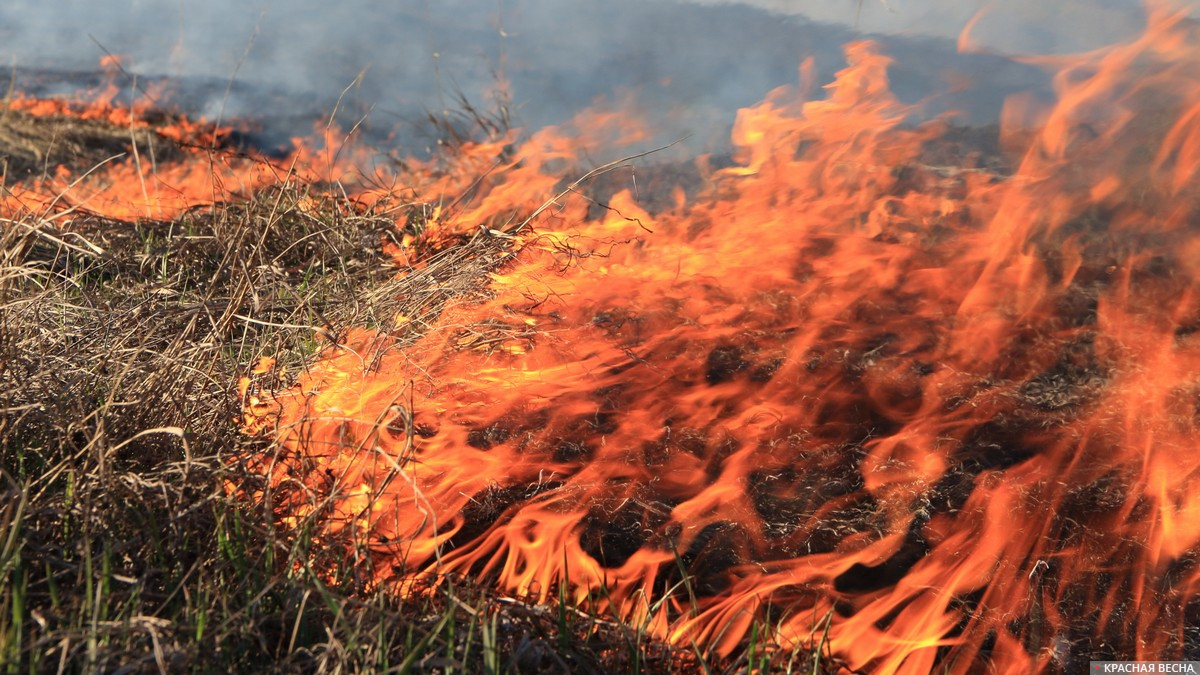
(947, 412)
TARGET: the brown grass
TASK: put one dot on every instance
(120, 347)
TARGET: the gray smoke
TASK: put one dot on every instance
(287, 64)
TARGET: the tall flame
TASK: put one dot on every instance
(947, 415)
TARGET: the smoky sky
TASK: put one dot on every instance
(287, 64)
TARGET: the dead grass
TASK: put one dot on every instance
(120, 348)
(33, 146)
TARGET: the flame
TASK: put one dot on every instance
(134, 185)
(945, 415)
(929, 416)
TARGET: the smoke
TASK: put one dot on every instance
(384, 64)
(1010, 26)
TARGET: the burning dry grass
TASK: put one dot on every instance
(120, 345)
(34, 145)
(948, 413)
(924, 417)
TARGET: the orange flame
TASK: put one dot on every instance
(131, 185)
(944, 417)
(949, 413)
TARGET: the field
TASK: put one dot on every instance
(869, 392)
(124, 546)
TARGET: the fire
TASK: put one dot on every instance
(137, 184)
(943, 416)
(927, 416)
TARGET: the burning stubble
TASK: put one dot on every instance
(925, 395)
(949, 409)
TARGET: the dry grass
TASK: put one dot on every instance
(34, 146)
(120, 347)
